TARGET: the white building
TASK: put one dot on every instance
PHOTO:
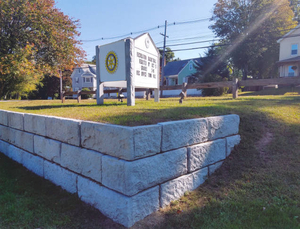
(84, 77)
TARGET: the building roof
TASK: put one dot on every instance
(290, 60)
(86, 70)
(174, 67)
(289, 33)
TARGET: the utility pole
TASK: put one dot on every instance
(163, 59)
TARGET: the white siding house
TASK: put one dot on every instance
(84, 77)
(289, 55)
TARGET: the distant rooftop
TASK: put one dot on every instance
(174, 67)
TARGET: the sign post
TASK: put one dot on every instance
(129, 63)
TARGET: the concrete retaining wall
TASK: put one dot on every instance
(125, 172)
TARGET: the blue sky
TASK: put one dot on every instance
(106, 19)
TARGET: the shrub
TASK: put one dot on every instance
(86, 96)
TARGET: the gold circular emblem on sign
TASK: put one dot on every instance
(111, 62)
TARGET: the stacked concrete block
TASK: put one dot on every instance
(147, 140)
(62, 129)
(114, 140)
(174, 189)
(47, 148)
(60, 176)
(183, 133)
(4, 147)
(33, 163)
(35, 124)
(15, 120)
(122, 209)
(223, 126)
(125, 172)
(21, 139)
(3, 118)
(82, 161)
(15, 154)
(130, 178)
(205, 154)
(231, 142)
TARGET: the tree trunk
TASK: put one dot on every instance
(245, 72)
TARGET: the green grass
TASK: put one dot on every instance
(256, 187)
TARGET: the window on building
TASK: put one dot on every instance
(292, 70)
(76, 79)
(83, 79)
(191, 66)
(87, 80)
(294, 49)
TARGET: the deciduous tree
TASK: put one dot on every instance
(251, 29)
(212, 69)
(36, 39)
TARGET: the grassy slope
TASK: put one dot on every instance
(258, 187)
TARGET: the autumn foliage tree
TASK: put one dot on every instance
(251, 29)
(36, 39)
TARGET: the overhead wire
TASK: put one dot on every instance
(146, 30)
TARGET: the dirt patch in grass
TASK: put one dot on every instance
(263, 143)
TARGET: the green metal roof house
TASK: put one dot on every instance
(178, 72)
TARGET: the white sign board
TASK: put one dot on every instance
(146, 62)
(132, 63)
(112, 62)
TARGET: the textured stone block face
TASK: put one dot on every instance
(4, 147)
(147, 140)
(4, 133)
(109, 139)
(3, 118)
(214, 167)
(231, 142)
(33, 163)
(183, 133)
(47, 148)
(21, 139)
(16, 120)
(83, 161)
(205, 154)
(65, 130)
(61, 177)
(223, 126)
(35, 124)
(15, 154)
(174, 189)
(130, 178)
(121, 209)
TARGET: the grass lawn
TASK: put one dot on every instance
(258, 186)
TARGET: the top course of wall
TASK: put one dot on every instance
(128, 143)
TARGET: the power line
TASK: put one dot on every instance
(146, 30)
(187, 49)
(188, 38)
(190, 43)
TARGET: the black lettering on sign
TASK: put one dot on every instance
(150, 75)
(154, 76)
(143, 62)
(144, 68)
(144, 74)
(140, 55)
(138, 72)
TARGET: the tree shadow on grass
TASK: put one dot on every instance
(44, 107)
